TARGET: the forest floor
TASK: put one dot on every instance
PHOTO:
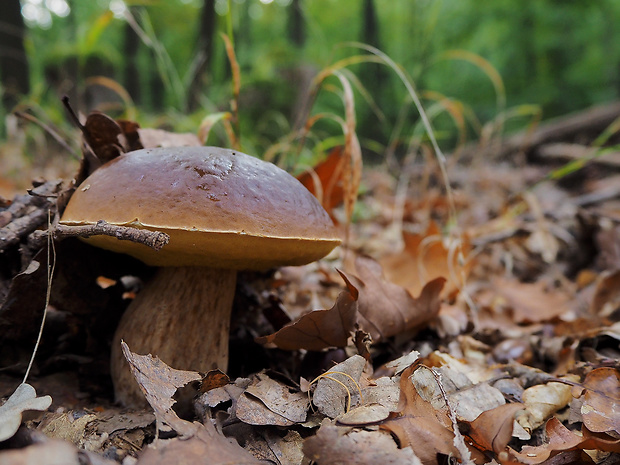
(478, 325)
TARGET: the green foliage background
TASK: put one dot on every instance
(562, 55)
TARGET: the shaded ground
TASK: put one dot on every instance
(496, 339)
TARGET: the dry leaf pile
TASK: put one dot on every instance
(492, 337)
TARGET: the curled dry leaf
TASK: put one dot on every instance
(158, 382)
(103, 135)
(558, 439)
(24, 398)
(337, 387)
(339, 445)
(426, 257)
(270, 402)
(601, 405)
(492, 430)
(542, 401)
(325, 180)
(386, 309)
(418, 425)
(533, 302)
(205, 446)
(319, 329)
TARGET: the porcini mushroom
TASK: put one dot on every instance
(224, 211)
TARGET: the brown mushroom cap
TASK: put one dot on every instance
(221, 208)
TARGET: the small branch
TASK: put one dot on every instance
(154, 239)
(12, 233)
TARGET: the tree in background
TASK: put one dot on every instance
(14, 71)
(204, 50)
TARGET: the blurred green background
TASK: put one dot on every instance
(164, 64)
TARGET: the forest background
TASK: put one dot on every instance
(164, 64)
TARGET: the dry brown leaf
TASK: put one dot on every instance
(51, 452)
(102, 135)
(158, 382)
(325, 180)
(542, 401)
(214, 379)
(386, 309)
(607, 295)
(418, 425)
(426, 257)
(205, 446)
(492, 430)
(319, 329)
(270, 402)
(342, 445)
(560, 439)
(338, 388)
(532, 302)
(601, 405)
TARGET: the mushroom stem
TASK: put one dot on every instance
(181, 316)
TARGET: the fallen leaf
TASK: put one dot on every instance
(319, 329)
(102, 135)
(158, 382)
(337, 388)
(68, 426)
(607, 295)
(386, 309)
(542, 401)
(24, 398)
(492, 429)
(270, 402)
(206, 445)
(601, 405)
(214, 379)
(532, 302)
(325, 180)
(51, 452)
(342, 445)
(364, 415)
(558, 439)
(426, 257)
(418, 425)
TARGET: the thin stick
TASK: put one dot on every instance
(51, 265)
(154, 239)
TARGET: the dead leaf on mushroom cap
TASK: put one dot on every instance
(24, 398)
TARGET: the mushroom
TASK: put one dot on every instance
(224, 211)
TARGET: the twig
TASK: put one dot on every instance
(12, 233)
(51, 265)
(154, 239)
(459, 440)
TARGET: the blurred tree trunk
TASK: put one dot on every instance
(131, 76)
(204, 52)
(296, 26)
(14, 72)
(372, 75)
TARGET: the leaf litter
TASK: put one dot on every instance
(510, 326)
